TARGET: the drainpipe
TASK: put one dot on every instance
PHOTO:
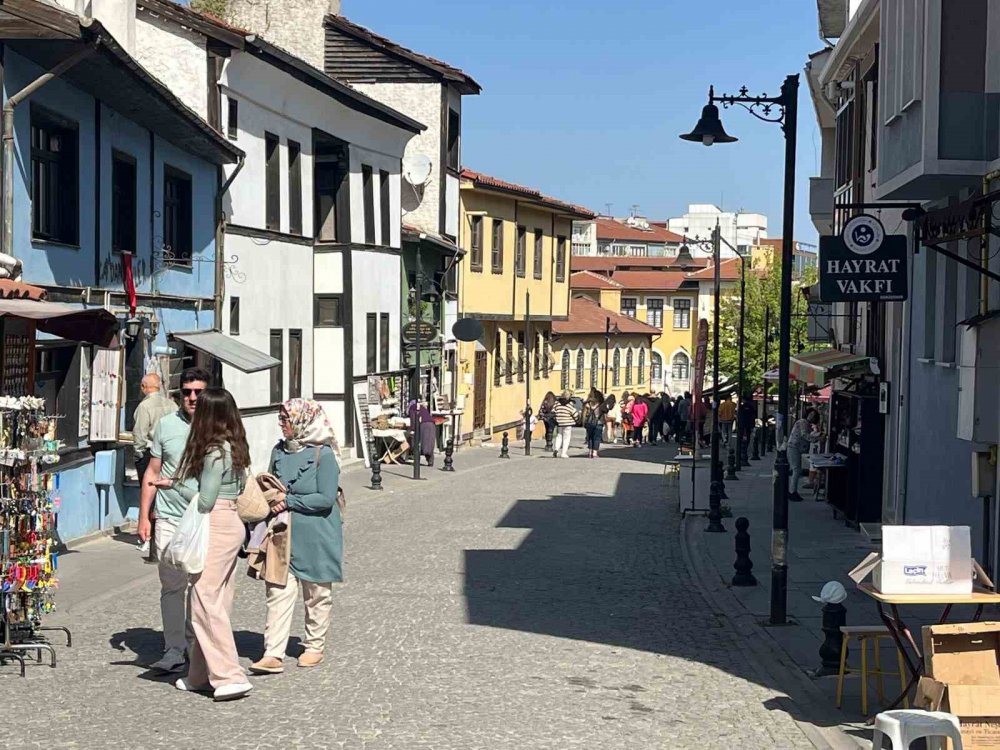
(7, 236)
(903, 417)
(220, 245)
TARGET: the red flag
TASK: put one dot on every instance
(129, 282)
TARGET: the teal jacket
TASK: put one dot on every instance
(311, 477)
(218, 481)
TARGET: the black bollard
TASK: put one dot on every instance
(743, 564)
(731, 460)
(449, 453)
(744, 454)
(505, 446)
(376, 467)
(834, 616)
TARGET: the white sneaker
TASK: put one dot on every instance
(183, 684)
(171, 661)
(232, 692)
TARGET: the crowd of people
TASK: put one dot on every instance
(199, 454)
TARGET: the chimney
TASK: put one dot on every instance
(294, 25)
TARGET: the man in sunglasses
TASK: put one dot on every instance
(165, 451)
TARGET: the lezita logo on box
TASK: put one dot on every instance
(915, 570)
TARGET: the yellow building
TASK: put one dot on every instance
(515, 280)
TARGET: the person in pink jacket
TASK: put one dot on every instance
(640, 410)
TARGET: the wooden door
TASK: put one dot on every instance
(479, 413)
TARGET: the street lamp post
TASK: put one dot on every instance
(715, 489)
(737, 454)
(609, 331)
(415, 417)
(782, 109)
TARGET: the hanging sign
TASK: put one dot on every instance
(863, 264)
(700, 361)
(422, 329)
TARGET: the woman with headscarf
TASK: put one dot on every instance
(305, 462)
(428, 432)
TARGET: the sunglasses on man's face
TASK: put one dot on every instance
(188, 392)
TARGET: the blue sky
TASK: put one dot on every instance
(586, 104)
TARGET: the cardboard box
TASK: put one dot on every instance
(920, 560)
(962, 663)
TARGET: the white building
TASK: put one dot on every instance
(741, 230)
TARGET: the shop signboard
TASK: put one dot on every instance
(426, 330)
(700, 360)
(863, 264)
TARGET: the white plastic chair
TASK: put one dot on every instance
(904, 727)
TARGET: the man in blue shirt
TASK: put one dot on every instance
(165, 451)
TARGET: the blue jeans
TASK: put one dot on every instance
(593, 436)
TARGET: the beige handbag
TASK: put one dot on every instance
(251, 505)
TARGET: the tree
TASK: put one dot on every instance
(763, 290)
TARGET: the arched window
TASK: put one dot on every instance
(656, 369)
(579, 368)
(681, 366)
(594, 366)
(628, 366)
(616, 376)
(497, 362)
(642, 366)
(564, 380)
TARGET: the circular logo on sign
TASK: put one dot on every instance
(864, 234)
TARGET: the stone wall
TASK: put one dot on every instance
(294, 25)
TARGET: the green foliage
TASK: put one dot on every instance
(763, 290)
(217, 8)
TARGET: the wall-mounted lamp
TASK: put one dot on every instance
(133, 327)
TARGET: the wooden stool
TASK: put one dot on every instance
(863, 634)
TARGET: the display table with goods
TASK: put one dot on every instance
(29, 504)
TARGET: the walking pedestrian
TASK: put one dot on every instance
(593, 420)
(669, 417)
(640, 410)
(566, 416)
(727, 417)
(153, 407)
(214, 465)
(706, 416)
(748, 414)
(428, 434)
(612, 419)
(628, 401)
(165, 451)
(684, 416)
(804, 432)
(305, 462)
(548, 418)
(656, 416)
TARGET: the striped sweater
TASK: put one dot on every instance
(565, 415)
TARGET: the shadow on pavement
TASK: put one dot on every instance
(610, 570)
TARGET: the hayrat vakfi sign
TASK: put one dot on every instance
(863, 264)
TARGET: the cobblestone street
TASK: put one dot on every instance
(530, 603)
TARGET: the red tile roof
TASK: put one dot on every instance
(608, 263)
(449, 72)
(612, 229)
(661, 281)
(494, 183)
(588, 317)
(729, 270)
(591, 280)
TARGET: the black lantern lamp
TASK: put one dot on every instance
(133, 327)
(709, 129)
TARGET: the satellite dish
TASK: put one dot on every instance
(467, 329)
(416, 168)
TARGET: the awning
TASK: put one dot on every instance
(228, 350)
(95, 325)
(819, 368)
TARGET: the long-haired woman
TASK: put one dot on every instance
(548, 418)
(612, 416)
(593, 420)
(215, 462)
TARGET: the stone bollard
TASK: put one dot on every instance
(834, 616)
(376, 481)
(505, 446)
(743, 564)
(449, 453)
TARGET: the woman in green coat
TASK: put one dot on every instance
(306, 463)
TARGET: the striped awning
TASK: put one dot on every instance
(819, 368)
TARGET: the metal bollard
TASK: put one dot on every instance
(376, 481)
(743, 565)
(834, 616)
(731, 460)
(449, 452)
(505, 446)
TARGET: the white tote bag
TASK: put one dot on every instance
(189, 547)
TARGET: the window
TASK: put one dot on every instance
(58, 372)
(496, 249)
(233, 119)
(579, 368)
(539, 344)
(564, 375)
(509, 369)
(628, 306)
(477, 243)
(538, 254)
(294, 188)
(628, 367)
(521, 357)
(497, 362)
(561, 259)
(454, 139)
(295, 363)
(272, 181)
(546, 353)
(55, 188)
(177, 215)
(682, 314)
(616, 376)
(234, 316)
(371, 342)
(369, 202)
(654, 312)
(331, 191)
(277, 373)
(656, 369)
(595, 365)
(328, 311)
(681, 366)
(123, 203)
(521, 251)
(642, 366)
(384, 206)
(383, 341)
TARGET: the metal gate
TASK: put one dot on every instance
(479, 412)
